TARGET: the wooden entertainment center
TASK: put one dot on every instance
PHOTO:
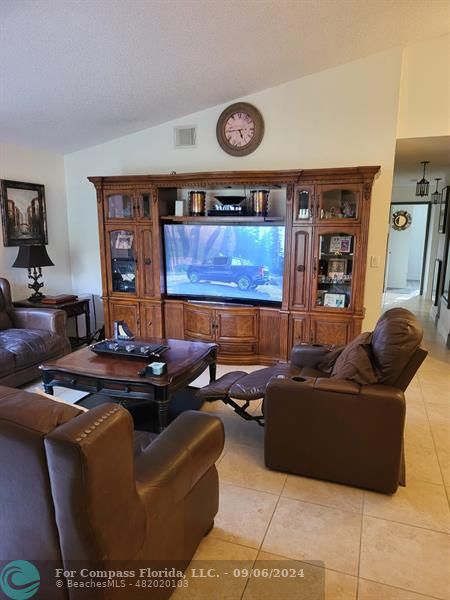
(325, 214)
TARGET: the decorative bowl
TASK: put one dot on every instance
(230, 200)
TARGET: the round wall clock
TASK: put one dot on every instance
(240, 129)
(401, 220)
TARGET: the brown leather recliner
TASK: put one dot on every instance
(28, 336)
(341, 416)
(74, 494)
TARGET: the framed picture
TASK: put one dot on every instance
(340, 244)
(124, 241)
(443, 209)
(345, 244)
(337, 268)
(435, 290)
(334, 300)
(24, 219)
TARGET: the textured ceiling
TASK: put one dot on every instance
(75, 73)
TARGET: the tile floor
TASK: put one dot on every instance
(374, 547)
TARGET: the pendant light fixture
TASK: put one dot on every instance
(423, 185)
(436, 196)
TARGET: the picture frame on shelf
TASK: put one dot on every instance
(24, 220)
(124, 241)
(337, 268)
(443, 209)
(334, 300)
(340, 244)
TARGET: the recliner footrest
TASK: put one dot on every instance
(218, 390)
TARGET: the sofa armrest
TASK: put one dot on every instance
(315, 356)
(180, 456)
(39, 318)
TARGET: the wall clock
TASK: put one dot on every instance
(401, 220)
(240, 129)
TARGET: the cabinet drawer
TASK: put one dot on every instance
(244, 348)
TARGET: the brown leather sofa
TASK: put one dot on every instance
(75, 492)
(339, 413)
(28, 336)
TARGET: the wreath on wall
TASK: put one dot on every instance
(401, 220)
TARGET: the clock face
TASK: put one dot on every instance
(240, 129)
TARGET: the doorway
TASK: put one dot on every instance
(406, 257)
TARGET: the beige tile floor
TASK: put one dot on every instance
(374, 547)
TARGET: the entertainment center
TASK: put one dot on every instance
(255, 284)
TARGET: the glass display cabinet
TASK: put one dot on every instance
(339, 203)
(334, 270)
(122, 261)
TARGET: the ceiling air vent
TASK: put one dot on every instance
(185, 137)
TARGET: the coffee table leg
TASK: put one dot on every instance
(162, 399)
(212, 372)
(48, 389)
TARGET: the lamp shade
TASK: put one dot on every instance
(32, 256)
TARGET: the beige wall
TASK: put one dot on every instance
(424, 108)
(38, 166)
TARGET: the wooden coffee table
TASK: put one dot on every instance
(118, 376)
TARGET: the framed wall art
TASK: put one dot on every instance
(24, 221)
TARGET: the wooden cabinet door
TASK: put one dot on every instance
(125, 311)
(199, 323)
(328, 330)
(145, 262)
(298, 330)
(173, 320)
(300, 267)
(151, 321)
(273, 334)
(236, 325)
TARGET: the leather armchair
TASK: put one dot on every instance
(28, 336)
(73, 488)
(320, 425)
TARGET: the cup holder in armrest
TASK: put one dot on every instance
(298, 378)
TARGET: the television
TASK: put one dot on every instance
(225, 263)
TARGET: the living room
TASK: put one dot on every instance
(132, 102)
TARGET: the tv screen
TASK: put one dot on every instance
(224, 262)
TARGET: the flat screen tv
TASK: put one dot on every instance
(240, 263)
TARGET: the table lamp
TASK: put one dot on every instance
(33, 257)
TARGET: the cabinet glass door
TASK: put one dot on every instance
(119, 206)
(333, 270)
(144, 204)
(123, 261)
(303, 204)
(339, 203)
